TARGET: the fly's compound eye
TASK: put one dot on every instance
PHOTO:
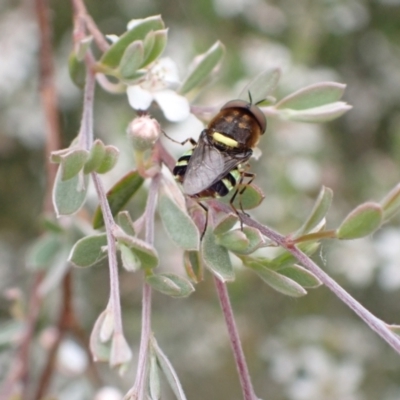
(252, 108)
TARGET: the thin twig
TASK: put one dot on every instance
(81, 13)
(373, 322)
(65, 321)
(19, 370)
(138, 388)
(48, 96)
(110, 225)
(243, 371)
(86, 129)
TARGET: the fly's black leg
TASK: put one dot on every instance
(243, 175)
(190, 140)
(206, 223)
(234, 208)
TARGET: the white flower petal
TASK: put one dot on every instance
(139, 99)
(169, 71)
(174, 106)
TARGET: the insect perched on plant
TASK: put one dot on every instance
(217, 163)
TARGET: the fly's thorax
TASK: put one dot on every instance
(238, 126)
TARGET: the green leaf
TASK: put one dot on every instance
(50, 224)
(129, 260)
(261, 86)
(301, 275)
(77, 70)
(202, 67)
(121, 353)
(132, 59)
(254, 237)
(394, 328)
(193, 266)
(56, 271)
(96, 156)
(362, 221)
(72, 163)
(168, 370)
(9, 331)
(99, 350)
(154, 377)
(227, 222)
(324, 113)
(125, 222)
(286, 259)
(235, 240)
(154, 45)
(43, 251)
(56, 156)
(140, 73)
(69, 196)
(107, 325)
(318, 212)
(170, 284)
(88, 250)
(276, 280)
(391, 203)
(216, 257)
(139, 29)
(248, 200)
(109, 160)
(313, 96)
(179, 226)
(82, 46)
(145, 253)
(118, 196)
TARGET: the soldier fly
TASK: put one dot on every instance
(217, 162)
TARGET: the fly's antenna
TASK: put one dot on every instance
(250, 98)
(260, 101)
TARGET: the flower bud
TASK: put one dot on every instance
(143, 132)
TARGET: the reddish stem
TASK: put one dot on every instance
(244, 376)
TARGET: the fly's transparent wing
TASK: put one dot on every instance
(208, 165)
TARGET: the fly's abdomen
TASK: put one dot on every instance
(226, 184)
(179, 170)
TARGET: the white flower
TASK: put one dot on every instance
(158, 85)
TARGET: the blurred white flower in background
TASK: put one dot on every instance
(158, 85)
(108, 393)
(299, 359)
(71, 358)
(387, 247)
(356, 260)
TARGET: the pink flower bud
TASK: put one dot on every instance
(143, 132)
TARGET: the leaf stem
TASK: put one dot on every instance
(329, 234)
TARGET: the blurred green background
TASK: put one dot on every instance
(297, 349)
